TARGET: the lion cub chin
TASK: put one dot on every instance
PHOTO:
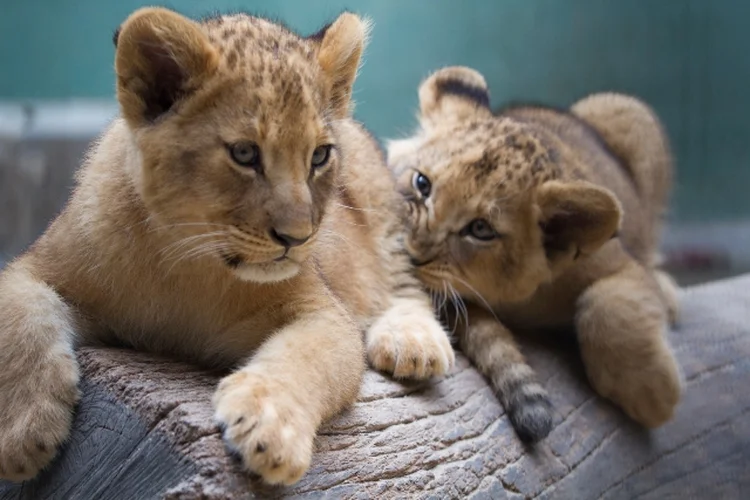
(234, 216)
(520, 213)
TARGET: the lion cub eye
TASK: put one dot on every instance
(321, 156)
(480, 229)
(422, 184)
(245, 154)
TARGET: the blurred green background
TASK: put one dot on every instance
(688, 58)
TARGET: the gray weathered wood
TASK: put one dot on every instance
(113, 453)
(145, 430)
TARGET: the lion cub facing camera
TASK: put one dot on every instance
(543, 218)
(234, 216)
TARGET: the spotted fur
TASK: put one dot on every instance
(569, 204)
(266, 263)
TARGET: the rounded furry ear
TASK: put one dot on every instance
(453, 94)
(576, 218)
(340, 49)
(161, 57)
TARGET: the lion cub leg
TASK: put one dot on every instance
(408, 341)
(38, 373)
(621, 322)
(304, 374)
(490, 345)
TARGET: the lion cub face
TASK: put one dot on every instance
(232, 119)
(491, 211)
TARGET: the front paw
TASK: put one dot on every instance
(647, 390)
(36, 412)
(265, 426)
(409, 343)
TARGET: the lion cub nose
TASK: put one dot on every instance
(288, 240)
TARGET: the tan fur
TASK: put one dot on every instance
(574, 200)
(166, 244)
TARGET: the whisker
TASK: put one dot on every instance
(197, 252)
(150, 217)
(340, 236)
(479, 296)
(464, 310)
(444, 303)
(181, 243)
(455, 303)
(188, 239)
(356, 209)
(187, 224)
(203, 249)
(453, 300)
(183, 247)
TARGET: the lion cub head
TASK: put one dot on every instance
(495, 209)
(232, 130)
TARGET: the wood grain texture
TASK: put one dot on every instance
(112, 454)
(448, 439)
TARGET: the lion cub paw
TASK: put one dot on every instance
(36, 417)
(409, 344)
(647, 391)
(265, 426)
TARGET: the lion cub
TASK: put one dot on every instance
(234, 216)
(545, 218)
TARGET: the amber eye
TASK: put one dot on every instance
(245, 154)
(320, 156)
(422, 184)
(480, 229)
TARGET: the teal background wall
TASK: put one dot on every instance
(688, 58)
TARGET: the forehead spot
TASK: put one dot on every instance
(239, 44)
(232, 60)
(483, 167)
(537, 167)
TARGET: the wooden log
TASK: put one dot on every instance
(144, 429)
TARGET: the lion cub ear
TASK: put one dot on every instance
(161, 57)
(576, 218)
(453, 94)
(340, 47)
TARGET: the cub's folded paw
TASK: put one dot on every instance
(652, 399)
(37, 412)
(265, 427)
(647, 390)
(409, 344)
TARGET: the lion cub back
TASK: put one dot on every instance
(622, 147)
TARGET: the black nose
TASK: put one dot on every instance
(286, 240)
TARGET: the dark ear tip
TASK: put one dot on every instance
(460, 88)
(116, 36)
(461, 83)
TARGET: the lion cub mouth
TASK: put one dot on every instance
(234, 261)
(279, 269)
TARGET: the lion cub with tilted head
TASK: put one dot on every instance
(234, 216)
(544, 218)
